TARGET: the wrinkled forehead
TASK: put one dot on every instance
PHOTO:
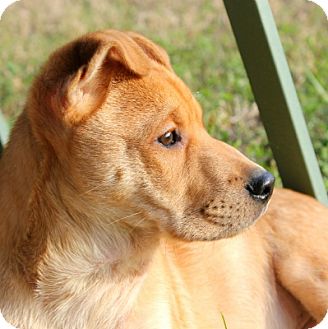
(151, 100)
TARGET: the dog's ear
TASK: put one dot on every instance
(74, 81)
(152, 50)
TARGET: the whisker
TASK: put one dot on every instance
(125, 217)
(90, 190)
(136, 225)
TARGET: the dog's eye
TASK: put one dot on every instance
(169, 138)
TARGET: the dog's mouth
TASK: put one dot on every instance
(236, 218)
(215, 227)
(223, 216)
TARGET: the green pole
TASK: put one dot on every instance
(274, 91)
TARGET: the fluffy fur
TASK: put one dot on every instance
(102, 226)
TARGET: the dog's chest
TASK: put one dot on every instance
(231, 278)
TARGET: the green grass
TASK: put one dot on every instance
(199, 40)
(224, 321)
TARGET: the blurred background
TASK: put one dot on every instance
(199, 40)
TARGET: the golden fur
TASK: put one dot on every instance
(104, 227)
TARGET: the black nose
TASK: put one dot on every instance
(260, 186)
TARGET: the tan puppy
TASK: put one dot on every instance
(109, 187)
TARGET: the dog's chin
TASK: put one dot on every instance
(197, 229)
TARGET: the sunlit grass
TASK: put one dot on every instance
(224, 321)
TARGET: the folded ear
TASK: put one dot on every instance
(154, 51)
(74, 81)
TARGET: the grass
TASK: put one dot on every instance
(224, 321)
(199, 40)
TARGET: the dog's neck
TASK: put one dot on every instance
(81, 251)
(93, 266)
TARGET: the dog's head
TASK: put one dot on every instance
(128, 135)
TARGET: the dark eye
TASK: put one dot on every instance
(169, 138)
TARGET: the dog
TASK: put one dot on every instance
(119, 211)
